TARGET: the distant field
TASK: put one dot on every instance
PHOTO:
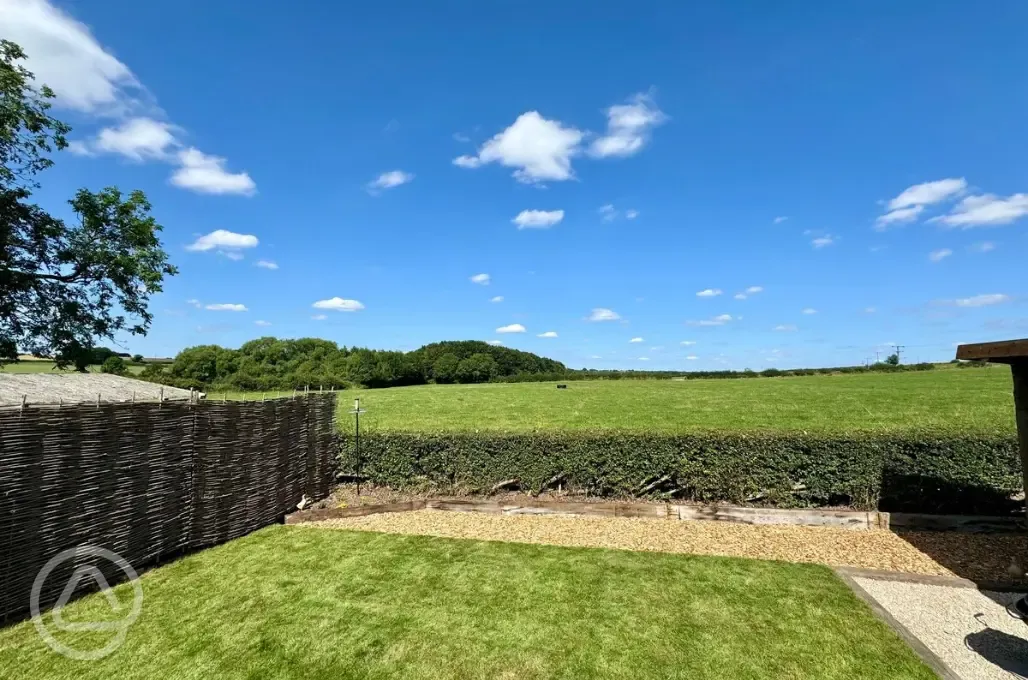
(969, 400)
(48, 367)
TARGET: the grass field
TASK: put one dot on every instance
(969, 400)
(49, 367)
(296, 602)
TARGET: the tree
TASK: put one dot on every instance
(893, 359)
(137, 358)
(64, 286)
(444, 370)
(114, 365)
(476, 368)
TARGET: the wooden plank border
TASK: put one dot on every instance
(844, 519)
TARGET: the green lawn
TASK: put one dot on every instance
(967, 400)
(49, 367)
(299, 602)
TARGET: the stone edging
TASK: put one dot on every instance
(845, 519)
(928, 656)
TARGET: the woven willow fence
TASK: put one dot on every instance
(149, 480)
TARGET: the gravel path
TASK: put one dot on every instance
(980, 556)
(968, 629)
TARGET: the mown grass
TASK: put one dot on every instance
(297, 602)
(969, 400)
(50, 367)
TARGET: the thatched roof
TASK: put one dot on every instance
(73, 388)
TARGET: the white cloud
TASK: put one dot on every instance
(480, 279)
(809, 310)
(692, 357)
(983, 247)
(194, 302)
(538, 149)
(223, 240)
(226, 307)
(928, 193)
(709, 292)
(631, 214)
(538, 219)
(263, 324)
(982, 300)
(900, 215)
(753, 290)
(498, 298)
(339, 304)
(596, 356)
(603, 314)
(688, 343)
(628, 127)
(64, 55)
(206, 174)
(388, 180)
(266, 264)
(787, 328)
(637, 340)
(319, 317)
(644, 358)
(461, 137)
(136, 138)
(939, 255)
(740, 296)
(720, 320)
(548, 334)
(511, 328)
(231, 254)
(779, 219)
(870, 310)
(494, 343)
(658, 348)
(823, 241)
(608, 213)
(985, 211)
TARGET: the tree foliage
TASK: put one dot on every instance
(114, 365)
(63, 286)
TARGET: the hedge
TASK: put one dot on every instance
(913, 472)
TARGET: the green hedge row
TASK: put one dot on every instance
(962, 474)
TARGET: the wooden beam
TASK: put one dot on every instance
(1019, 369)
(1003, 352)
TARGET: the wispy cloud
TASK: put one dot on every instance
(481, 279)
(692, 357)
(226, 307)
(987, 210)
(547, 334)
(983, 247)
(688, 343)
(709, 292)
(389, 180)
(603, 314)
(823, 241)
(498, 298)
(809, 310)
(785, 328)
(224, 241)
(780, 219)
(983, 300)
(629, 127)
(939, 255)
(339, 304)
(720, 320)
(266, 264)
(538, 219)
(911, 202)
(262, 323)
(636, 340)
(511, 328)
(319, 317)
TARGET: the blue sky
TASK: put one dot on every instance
(622, 172)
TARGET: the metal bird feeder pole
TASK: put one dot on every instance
(357, 411)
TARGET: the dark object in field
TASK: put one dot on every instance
(562, 386)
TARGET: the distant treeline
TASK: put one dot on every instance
(273, 364)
